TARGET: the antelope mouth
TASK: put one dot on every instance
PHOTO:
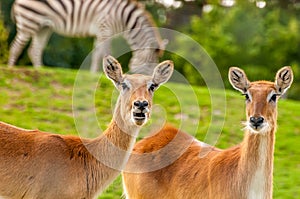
(259, 129)
(256, 127)
(139, 116)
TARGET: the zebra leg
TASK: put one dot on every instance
(101, 48)
(38, 43)
(17, 46)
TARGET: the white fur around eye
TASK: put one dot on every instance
(270, 95)
(249, 95)
(125, 85)
(150, 84)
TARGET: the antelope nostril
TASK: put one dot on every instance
(260, 120)
(141, 104)
(252, 119)
(256, 121)
(145, 103)
(137, 103)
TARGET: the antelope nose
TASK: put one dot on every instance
(256, 121)
(141, 104)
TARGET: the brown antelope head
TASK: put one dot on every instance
(261, 97)
(136, 90)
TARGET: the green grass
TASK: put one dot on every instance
(49, 100)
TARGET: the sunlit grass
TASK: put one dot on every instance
(42, 99)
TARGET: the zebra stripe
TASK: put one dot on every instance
(37, 19)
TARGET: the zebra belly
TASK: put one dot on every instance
(78, 33)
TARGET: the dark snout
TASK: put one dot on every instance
(140, 110)
(256, 122)
(141, 104)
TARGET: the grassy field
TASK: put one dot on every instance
(51, 100)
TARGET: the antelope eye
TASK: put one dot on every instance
(152, 87)
(246, 97)
(273, 98)
(124, 86)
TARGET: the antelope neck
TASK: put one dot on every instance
(257, 163)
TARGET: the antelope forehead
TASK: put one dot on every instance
(262, 86)
(138, 80)
(260, 93)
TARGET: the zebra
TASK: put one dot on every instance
(38, 19)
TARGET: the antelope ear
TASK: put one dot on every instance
(162, 72)
(113, 69)
(284, 79)
(238, 79)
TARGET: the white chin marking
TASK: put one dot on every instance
(140, 122)
(261, 130)
(137, 121)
